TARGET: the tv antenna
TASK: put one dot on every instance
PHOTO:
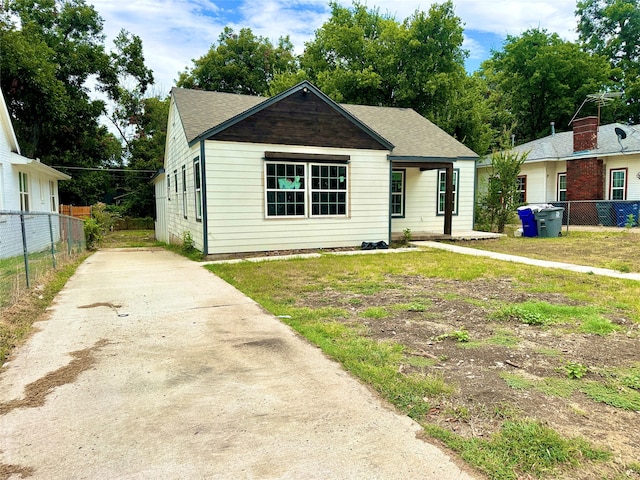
(601, 99)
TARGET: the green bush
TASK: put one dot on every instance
(93, 234)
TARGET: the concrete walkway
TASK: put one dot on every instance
(529, 261)
(148, 366)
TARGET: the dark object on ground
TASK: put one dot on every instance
(374, 245)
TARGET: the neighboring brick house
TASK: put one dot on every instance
(594, 162)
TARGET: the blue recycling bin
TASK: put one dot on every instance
(623, 210)
(529, 224)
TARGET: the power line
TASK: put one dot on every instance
(96, 169)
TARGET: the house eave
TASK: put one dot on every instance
(39, 167)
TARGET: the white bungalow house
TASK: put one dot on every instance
(26, 185)
(595, 166)
(300, 171)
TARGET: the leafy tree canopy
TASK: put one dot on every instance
(612, 28)
(52, 53)
(240, 63)
(362, 56)
(538, 78)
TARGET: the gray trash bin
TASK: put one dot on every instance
(549, 222)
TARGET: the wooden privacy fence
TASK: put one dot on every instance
(76, 211)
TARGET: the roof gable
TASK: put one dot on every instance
(302, 117)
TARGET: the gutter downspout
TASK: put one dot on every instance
(203, 187)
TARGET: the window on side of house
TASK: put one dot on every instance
(286, 189)
(23, 180)
(618, 184)
(397, 193)
(169, 187)
(197, 188)
(328, 190)
(522, 189)
(175, 182)
(52, 195)
(562, 187)
(442, 185)
(184, 191)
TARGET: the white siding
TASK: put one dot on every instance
(421, 201)
(632, 164)
(236, 202)
(178, 154)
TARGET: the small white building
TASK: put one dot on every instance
(26, 186)
(299, 171)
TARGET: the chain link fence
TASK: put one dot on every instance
(33, 244)
(602, 213)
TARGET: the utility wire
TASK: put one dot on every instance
(96, 169)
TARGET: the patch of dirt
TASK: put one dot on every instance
(483, 399)
(7, 471)
(36, 392)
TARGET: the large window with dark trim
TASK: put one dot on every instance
(328, 190)
(442, 185)
(397, 193)
(300, 189)
(197, 188)
(562, 187)
(618, 184)
(522, 189)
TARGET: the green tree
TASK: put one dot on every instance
(52, 53)
(240, 63)
(498, 204)
(145, 154)
(362, 56)
(538, 78)
(612, 28)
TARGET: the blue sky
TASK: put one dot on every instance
(176, 31)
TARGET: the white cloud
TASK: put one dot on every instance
(176, 31)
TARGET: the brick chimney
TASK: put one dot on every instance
(585, 134)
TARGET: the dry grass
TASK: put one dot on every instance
(603, 248)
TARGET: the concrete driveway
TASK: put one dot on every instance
(148, 366)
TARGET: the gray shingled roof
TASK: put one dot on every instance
(412, 135)
(560, 145)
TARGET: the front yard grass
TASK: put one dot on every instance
(524, 372)
(616, 250)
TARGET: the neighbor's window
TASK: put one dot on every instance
(562, 187)
(197, 188)
(442, 185)
(52, 195)
(618, 184)
(286, 188)
(522, 189)
(328, 190)
(23, 180)
(184, 191)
